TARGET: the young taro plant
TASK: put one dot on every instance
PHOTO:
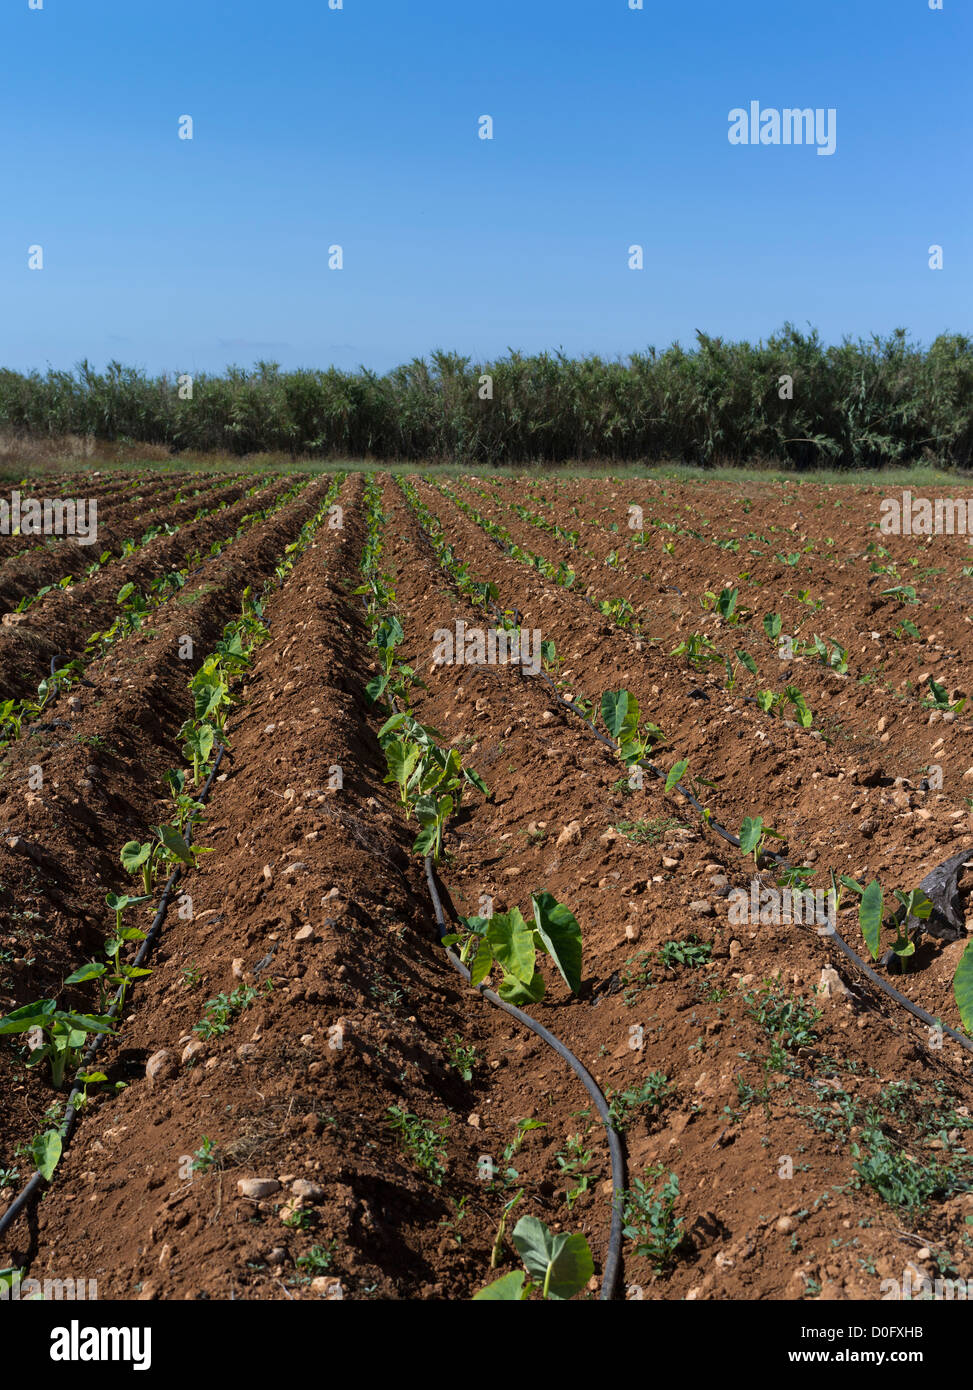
(754, 835)
(430, 779)
(168, 848)
(115, 973)
(620, 714)
(61, 1034)
(507, 940)
(198, 747)
(188, 809)
(558, 1266)
(914, 904)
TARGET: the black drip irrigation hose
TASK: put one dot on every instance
(613, 1258)
(38, 1182)
(732, 839)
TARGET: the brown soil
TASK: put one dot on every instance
(62, 621)
(321, 880)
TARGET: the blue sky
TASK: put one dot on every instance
(358, 127)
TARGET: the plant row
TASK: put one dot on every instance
(134, 607)
(130, 547)
(60, 1036)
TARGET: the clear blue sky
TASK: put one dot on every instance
(359, 127)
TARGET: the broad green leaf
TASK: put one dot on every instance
(476, 780)
(426, 840)
(614, 708)
(86, 1023)
(208, 697)
(562, 1264)
(509, 1288)
(174, 843)
(561, 935)
(92, 971)
(750, 833)
(29, 1016)
(393, 723)
(376, 686)
(134, 855)
(46, 1153)
(916, 904)
(512, 943)
(401, 758)
(747, 660)
(870, 917)
(963, 988)
(431, 811)
(676, 773)
(516, 992)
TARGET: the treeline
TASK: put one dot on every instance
(792, 400)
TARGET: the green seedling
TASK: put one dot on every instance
(496, 1254)
(205, 1156)
(830, 653)
(692, 953)
(169, 847)
(462, 1058)
(424, 1142)
(650, 1217)
(524, 1126)
(902, 593)
(698, 650)
(573, 1162)
(198, 747)
(90, 1078)
(871, 916)
(134, 606)
(802, 712)
(319, 1258)
(114, 972)
(725, 604)
(211, 691)
(653, 1093)
(219, 1013)
(939, 699)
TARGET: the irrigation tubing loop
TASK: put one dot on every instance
(732, 839)
(38, 1182)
